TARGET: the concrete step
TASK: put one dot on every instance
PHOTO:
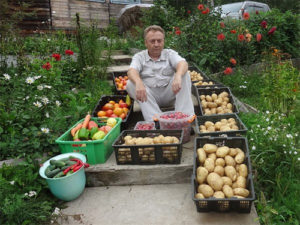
(120, 68)
(167, 204)
(121, 59)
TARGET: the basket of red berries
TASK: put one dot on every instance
(145, 125)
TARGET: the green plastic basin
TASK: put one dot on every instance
(66, 188)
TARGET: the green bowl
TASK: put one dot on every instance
(66, 188)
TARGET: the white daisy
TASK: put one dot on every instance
(37, 104)
(29, 80)
(295, 152)
(57, 103)
(253, 147)
(6, 76)
(56, 211)
(12, 182)
(37, 77)
(47, 86)
(48, 39)
(31, 193)
(45, 100)
(269, 128)
(45, 130)
(40, 87)
(289, 136)
(267, 119)
(47, 115)
(267, 112)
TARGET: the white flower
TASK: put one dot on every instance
(284, 145)
(45, 100)
(251, 139)
(12, 182)
(48, 39)
(243, 86)
(245, 82)
(31, 193)
(56, 211)
(27, 97)
(271, 138)
(289, 136)
(45, 130)
(26, 194)
(267, 112)
(37, 77)
(284, 152)
(47, 86)
(267, 119)
(37, 104)
(269, 128)
(258, 125)
(6, 76)
(47, 114)
(29, 80)
(57, 103)
(298, 159)
(16, 74)
(272, 122)
(296, 135)
(295, 152)
(253, 147)
(40, 87)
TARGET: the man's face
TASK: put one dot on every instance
(154, 42)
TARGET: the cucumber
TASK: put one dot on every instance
(69, 173)
(70, 163)
(52, 173)
(60, 174)
(59, 163)
(51, 167)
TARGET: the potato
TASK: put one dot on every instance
(220, 110)
(219, 170)
(207, 111)
(209, 164)
(213, 110)
(211, 128)
(175, 140)
(230, 172)
(225, 128)
(224, 121)
(202, 97)
(234, 127)
(128, 137)
(204, 103)
(201, 155)
(219, 101)
(199, 196)
(227, 181)
(220, 162)
(243, 170)
(240, 157)
(234, 185)
(222, 151)
(206, 190)
(229, 106)
(212, 156)
(129, 142)
(219, 194)
(241, 182)
(201, 174)
(237, 196)
(241, 192)
(218, 125)
(208, 124)
(202, 128)
(229, 161)
(227, 190)
(226, 99)
(215, 181)
(214, 96)
(231, 120)
(210, 148)
(208, 98)
(233, 152)
(212, 105)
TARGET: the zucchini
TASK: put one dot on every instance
(51, 167)
(70, 163)
(60, 174)
(52, 173)
(59, 163)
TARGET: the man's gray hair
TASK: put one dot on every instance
(153, 28)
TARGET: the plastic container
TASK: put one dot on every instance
(224, 204)
(148, 154)
(196, 69)
(97, 151)
(66, 188)
(144, 125)
(216, 90)
(116, 75)
(200, 120)
(196, 87)
(106, 98)
(175, 124)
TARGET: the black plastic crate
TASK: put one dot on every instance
(200, 120)
(116, 75)
(216, 90)
(214, 85)
(106, 98)
(241, 205)
(148, 154)
(195, 68)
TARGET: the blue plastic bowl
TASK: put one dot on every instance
(66, 188)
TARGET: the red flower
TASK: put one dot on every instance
(200, 7)
(233, 61)
(241, 37)
(221, 37)
(258, 37)
(206, 11)
(264, 24)
(246, 15)
(69, 52)
(56, 56)
(177, 32)
(227, 71)
(256, 12)
(47, 66)
(222, 25)
(233, 31)
(189, 12)
(272, 30)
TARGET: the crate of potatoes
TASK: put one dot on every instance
(222, 176)
(148, 147)
(220, 125)
(217, 100)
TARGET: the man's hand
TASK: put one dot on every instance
(176, 86)
(141, 94)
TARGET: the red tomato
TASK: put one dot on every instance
(109, 112)
(108, 106)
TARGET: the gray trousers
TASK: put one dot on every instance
(164, 97)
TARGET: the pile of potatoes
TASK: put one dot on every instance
(202, 83)
(195, 76)
(222, 172)
(222, 125)
(147, 154)
(216, 104)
